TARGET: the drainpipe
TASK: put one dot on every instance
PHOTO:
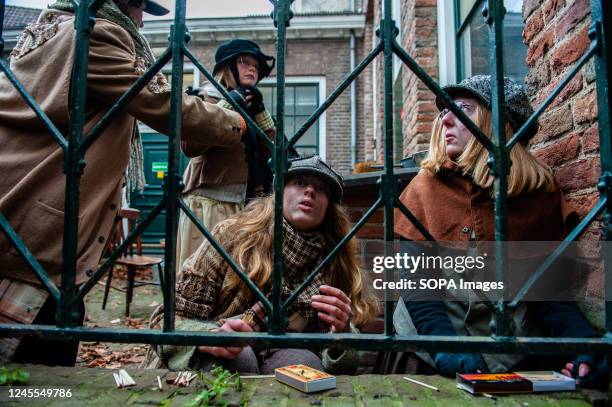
(353, 103)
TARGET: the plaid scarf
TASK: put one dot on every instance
(302, 252)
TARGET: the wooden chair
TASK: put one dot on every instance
(131, 258)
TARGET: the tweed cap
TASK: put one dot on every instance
(518, 107)
(314, 165)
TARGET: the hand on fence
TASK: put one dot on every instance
(334, 308)
(230, 325)
(590, 371)
(448, 364)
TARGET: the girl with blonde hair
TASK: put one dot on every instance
(210, 296)
(452, 196)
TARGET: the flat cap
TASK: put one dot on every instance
(314, 165)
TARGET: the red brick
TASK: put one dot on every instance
(578, 174)
(371, 231)
(553, 124)
(540, 47)
(590, 139)
(569, 51)
(533, 26)
(425, 3)
(575, 13)
(560, 151)
(529, 6)
(357, 213)
(585, 109)
(582, 204)
(551, 7)
(572, 88)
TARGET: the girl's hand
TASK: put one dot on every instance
(334, 308)
(231, 325)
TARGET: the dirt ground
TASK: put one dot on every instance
(115, 355)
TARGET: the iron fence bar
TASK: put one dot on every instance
(417, 224)
(331, 255)
(500, 161)
(468, 18)
(126, 98)
(142, 226)
(601, 13)
(576, 232)
(230, 261)
(282, 15)
(388, 183)
(446, 99)
(74, 164)
(55, 133)
(335, 93)
(522, 131)
(172, 189)
(40, 272)
(476, 344)
(223, 91)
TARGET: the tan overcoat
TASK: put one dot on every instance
(32, 182)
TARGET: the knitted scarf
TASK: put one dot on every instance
(109, 11)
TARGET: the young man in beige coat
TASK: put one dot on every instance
(32, 185)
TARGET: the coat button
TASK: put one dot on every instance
(101, 239)
(465, 229)
(113, 207)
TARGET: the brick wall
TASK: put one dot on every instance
(568, 140)
(323, 57)
(556, 33)
(419, 39)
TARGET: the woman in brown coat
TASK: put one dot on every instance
(220, 179)
(452, 197)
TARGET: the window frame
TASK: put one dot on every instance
(320, 82)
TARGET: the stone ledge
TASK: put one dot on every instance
(93, 387)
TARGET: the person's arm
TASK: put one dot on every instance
(197, 293)
(564, 319)
(113, 68)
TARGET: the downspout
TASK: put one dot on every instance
(353, 103)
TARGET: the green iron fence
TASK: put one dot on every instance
(76, 143)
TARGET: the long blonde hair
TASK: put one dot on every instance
(527, 173)
(249, 236)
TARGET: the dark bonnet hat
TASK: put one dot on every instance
(231, 49)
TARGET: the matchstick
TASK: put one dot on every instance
(429, 386)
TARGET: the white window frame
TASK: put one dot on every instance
(447, 51)
(396, 15)
(321, 82)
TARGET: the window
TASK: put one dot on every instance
(472, 40)
(301, 99)
(191, 76)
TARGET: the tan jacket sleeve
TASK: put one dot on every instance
(113, 68)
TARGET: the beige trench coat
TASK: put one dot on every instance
(32, 183)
